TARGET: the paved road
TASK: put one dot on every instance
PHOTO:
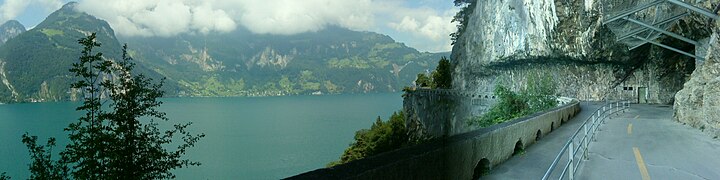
(539, 156)
(654, 147)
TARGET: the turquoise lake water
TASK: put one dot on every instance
(246, 138)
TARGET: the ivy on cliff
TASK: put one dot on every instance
(538, 95)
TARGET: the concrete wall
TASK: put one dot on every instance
(455, 157)
(442, 113)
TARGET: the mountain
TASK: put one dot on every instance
(240, 63)
(34, 65)
(9, 30)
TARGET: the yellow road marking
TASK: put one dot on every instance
(641, 164)
(629, 128)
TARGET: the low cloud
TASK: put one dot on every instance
(285, 17)
(293, 16)
(172, 17)
(159, 18)
(429, 24)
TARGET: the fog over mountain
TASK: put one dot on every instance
(239, 62)
(423, 24)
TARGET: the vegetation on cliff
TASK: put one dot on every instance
(440, 78)
(382, 136)
(462, 17)
(110, 141)
(538, 95)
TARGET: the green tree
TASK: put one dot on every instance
(462, 17)
(381, 137)
(540, 93)
(111, 141)
(423, 81)
(43, 166)
(4, 177)
(442, 76)
(286, 85)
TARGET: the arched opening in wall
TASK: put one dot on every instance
(538, 135)
(482, 168)
(519, 149)
(562, 120)
(568, 117)
(552, 126)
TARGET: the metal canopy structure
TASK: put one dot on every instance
(642, 21)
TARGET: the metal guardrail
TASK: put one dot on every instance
(575, 145)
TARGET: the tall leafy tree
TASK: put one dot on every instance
(118, 137)
(442, 76)
(462, 17)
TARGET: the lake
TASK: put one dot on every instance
(246, 138)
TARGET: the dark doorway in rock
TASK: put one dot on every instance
(538, 135)
(482, 168)
(642, 95)
(519, 149)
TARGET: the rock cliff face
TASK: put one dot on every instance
(505, 40)
(698, 103)
(9, 30)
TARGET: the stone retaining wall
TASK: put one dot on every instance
(461, 156)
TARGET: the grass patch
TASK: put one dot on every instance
(52, 32)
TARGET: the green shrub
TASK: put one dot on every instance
(381, 137)
(539, 95)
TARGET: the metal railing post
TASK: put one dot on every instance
(586, 142)
(571, 170)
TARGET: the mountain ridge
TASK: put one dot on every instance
(33, 66)
(9, 30)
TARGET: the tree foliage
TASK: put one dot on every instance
(539, 95)
(462, 17)
(118, 137)
(440, 78)
(43, 166)
(423, 80)
(381, 137)
(4, 177)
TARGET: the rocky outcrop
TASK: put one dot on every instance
(698, 103)
(507, 39)
(9, 30)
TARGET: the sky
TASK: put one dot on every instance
(422, 24)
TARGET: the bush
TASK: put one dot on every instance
(440, 78)
(381, 137)
(539, 95)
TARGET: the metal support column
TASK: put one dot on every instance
(668, 47)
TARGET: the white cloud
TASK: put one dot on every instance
(294, 16)
(159, 18)
(429, 27)
(429, 24)
(10, 9)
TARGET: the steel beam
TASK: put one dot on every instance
(637, 46)
(693, 42)
(693, 8)
(643, 29)
(633, 10)
(668, 47)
